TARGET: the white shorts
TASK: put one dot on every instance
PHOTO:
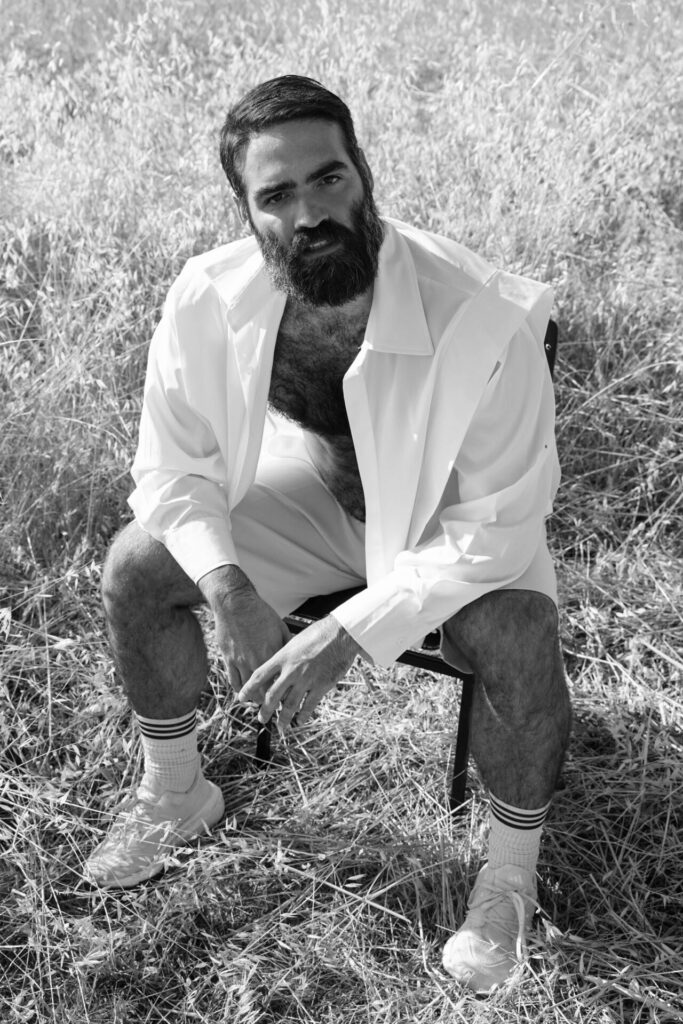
(294, 540)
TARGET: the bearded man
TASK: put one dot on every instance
(341, 400)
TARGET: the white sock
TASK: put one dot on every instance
(515, 834)
(170, 749)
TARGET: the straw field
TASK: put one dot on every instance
(547, 135)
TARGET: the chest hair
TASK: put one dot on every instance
(312, 354)
(310, 360)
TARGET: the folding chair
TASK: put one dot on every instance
(427, 656)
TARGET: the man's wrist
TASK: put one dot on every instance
(224, 579)
(348, 647)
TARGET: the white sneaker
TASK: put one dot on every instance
(488, 946)
(147, 830)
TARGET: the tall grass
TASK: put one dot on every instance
(546, 135)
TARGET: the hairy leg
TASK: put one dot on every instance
(521, 713)
(155, 638)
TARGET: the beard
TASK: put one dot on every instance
(334, 278)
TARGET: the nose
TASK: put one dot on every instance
(309, 213)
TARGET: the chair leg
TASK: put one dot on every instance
(263, 753)
(462, 747)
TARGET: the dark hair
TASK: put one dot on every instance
(288, 98)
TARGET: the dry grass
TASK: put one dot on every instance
(548, 136)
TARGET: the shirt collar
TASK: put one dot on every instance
(397, 322)
(248, 290)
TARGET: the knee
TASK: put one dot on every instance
(140, 577)
(509, 634)
(128, 575)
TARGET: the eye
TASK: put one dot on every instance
(330, 179)
(274, 199)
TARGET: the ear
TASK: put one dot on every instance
(366, 169)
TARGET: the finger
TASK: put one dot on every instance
(239, 673)
(255, 687)
(309, 705)
(290, 708)
(288, 689)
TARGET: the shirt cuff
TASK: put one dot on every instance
(384, 619)
(200, 546)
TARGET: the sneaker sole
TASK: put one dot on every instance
(207, 816)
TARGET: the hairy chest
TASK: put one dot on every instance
(307, 375)
(306, 387)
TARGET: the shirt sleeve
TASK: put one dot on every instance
(491, 522)
(179, 468)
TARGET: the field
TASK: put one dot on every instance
(546, 134)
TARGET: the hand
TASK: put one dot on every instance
(248, 630)
(302, 672)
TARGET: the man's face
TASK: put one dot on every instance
(317, 226)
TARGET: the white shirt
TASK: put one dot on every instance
(451, 410)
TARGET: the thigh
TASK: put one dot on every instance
(293, 539)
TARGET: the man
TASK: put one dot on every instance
(341, 400)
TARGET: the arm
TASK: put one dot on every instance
(485, 536)
(180, 468)
(491, 521)
(191, 427)
(189, 430)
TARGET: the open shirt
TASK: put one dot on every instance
(451, 410)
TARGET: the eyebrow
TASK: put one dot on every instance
(319, 172)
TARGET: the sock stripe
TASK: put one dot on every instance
(170, 729)
(517, 817)
(522, 825)
(167, 734)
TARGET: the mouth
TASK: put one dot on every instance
(322, 248)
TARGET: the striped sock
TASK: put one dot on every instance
(170, 749)
(515, 834)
